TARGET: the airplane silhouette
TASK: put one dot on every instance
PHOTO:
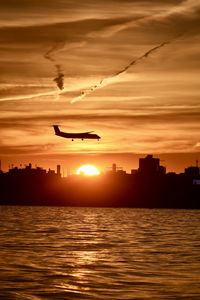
(82, 136)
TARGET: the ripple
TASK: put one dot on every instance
(99, 253)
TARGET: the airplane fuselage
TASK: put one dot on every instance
(78, 135)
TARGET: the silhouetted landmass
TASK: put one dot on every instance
(149, 187)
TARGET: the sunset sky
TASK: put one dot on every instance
(139, 101)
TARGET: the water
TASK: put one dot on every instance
(99, 253)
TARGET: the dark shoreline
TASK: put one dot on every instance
(148, 187)
(104, 191)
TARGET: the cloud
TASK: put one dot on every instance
(185, 17)
(28, 97)
(68, 31)
(59, 79)
(107, 80)
(158, 115)
(31, 149)
(178, 18)
(102, 40)
(197, 145)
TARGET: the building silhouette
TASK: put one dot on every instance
(148, 186)
(192, 172)
(58, 170)
(150, 166)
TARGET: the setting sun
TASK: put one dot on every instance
(88, 170)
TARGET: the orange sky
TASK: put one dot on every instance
(152, 106)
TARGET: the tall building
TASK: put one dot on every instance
(58, 171)
(150, 165)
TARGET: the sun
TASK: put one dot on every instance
(88, 170)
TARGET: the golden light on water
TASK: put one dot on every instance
(88, 170)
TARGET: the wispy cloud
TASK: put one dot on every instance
(151, 89)
(185, 14)
(28, 97)
(59, 79)
(113, 77)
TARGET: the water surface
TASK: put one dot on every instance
(99, 253)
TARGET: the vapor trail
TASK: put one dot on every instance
(107, 80)
(27, 97)
(59, 79)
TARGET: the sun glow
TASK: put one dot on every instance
(88, 170)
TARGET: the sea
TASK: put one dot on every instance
(99, 253)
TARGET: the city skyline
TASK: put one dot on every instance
(65, 170)
(71, 162)
(148, 186)
(129, 70)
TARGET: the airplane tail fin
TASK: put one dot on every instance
(56, 129)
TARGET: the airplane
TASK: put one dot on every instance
(82, 136)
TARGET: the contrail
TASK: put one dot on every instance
(59, 79)
(105, 81)
(27, 97)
